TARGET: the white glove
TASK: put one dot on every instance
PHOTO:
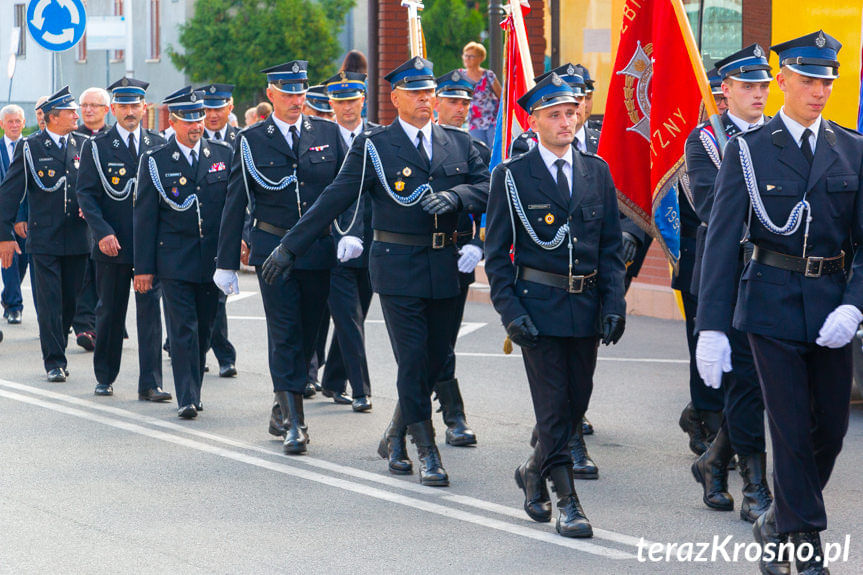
(227, 281)
(350, 247)
(713, 356)
(840, 326)
(470, 256)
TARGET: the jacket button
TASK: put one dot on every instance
(575, 261)
(758, 274)
(302, 183)
(524, 291)
(271, 163)
(305, 204)
(199, 187)
(295, 166)
(575, 240)
(431, 178)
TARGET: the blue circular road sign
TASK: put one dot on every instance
(56, 25)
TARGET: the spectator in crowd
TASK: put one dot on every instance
(264, 110)
(251, 116)
(486, 94)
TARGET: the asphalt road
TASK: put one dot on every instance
(116, 485)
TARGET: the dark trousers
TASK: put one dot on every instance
(448, 371)
(703, 398)
(85, 304)
(349, 301)
(11, 297)
(293, 308)
(57, 285)
(319, 357)
(744, 406)
(807, 389)
(222, 348)
(420, 333)
(560, 374)
(191, 307)
(113, 282)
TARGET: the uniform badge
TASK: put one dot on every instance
(307, 125)
(146, 141)
(217, 167)
(757, 52)
(182, 181)
(116, 143)
(122, 171)
(570, 70)
(399, 185)
(175, 192)
(48, 142)
(270, 129)
(418, 64)
(41, 174)
(76, 163)
(175, 156)
(295, 68)
(212, 89)
(125, 82)
(115, 180)
(407, 172)
(206, 152)
(456, 76)
(193, 97)
(51, 173)
(71, 140)
(549, 218)
(556, 81)
(820, 41)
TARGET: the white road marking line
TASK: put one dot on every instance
(307, 460)
(618, 359)
(466, 327)
(240, 296)
(346, 485)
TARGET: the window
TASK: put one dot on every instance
(718, 27)
(20, 19)
(155, 36)
(118, 11)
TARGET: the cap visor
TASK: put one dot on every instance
(825, 72)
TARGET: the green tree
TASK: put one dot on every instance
(448, 25)
(231, 41)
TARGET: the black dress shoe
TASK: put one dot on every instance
(586, 426)
(155, 394)
(57, 375)
(206, 369)
(310, 390)
(361, 404)
(104, 389)
(87, 340)
(199, 406)
(228, 370)
(14, 317)
(187, 412)
(337, 396)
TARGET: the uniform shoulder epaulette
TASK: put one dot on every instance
(453, 128)
(222, 143)
(592, 155)
(100, 136)
(373, 130)
(851, 131)
(481, 144)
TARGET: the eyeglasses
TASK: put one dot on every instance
(93, 106)
(469, 56)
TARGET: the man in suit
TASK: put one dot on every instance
(281, 167)
(12, 123)
(45, 167)
(218, 104)
(106, 190)
(796, 183)
(180, 195)
(556, 209)
(350, 284)
(419, 176)
(745, 81)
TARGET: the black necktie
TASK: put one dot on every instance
(295, 141)
(806, 147)
(62, 143)
(562, 182)
(217, 135)
(132, 149)
(421, 148)
(194, 157)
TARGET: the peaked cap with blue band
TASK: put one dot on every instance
(291, 77)
(346, 86)
(128, 91)
(588, 81)
(415, 74)
(550, 91)
(62, 100)
(747, 65)
(715, 82)
(186, 104)
(318, 99)
(814, 55)
(455, 84)
(569, 74)
(217, 95)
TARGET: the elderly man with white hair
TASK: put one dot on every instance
(12, 123)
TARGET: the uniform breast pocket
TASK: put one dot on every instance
(769, 188)
(321, 157)
(842, 183)
(214, 177)
(591, 212)
(169, 242)
(455, 169)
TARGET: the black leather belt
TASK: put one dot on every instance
(435, 241)
(270, 228)
(570, 283)
(811, 267)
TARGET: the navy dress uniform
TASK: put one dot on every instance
(742, 427)
(105, 190)
(218, 96)
(799, 188)
(350, 284)
(177, 213)
(560, 292)
(413, 254)
(45, 168)
(279, 171)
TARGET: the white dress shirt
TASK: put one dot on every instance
(796, 129)
(222, 133)
(8, 143)
(413, 132)
(581, 140)
(188, 151)
(349, 136)
(549, 158)
(124, 135)
(285, 128)
(56, 137)
(742, 124)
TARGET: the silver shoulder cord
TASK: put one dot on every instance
(359, 195)
(191, 199)
(110, 191)
(28, 157)
(248, 164)
(757, 206)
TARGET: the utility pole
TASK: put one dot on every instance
(495, 37)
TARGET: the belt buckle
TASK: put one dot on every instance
(572, 283)
(438, 240)
(808, 272)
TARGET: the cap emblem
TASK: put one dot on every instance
(820, 41)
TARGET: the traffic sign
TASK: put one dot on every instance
(56, 25)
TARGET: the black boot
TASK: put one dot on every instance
(764, 530)
(583, 466)
(711, 421)
(756, 493)
(452, 406)
(277, 423)
(392, 446)
(537, 503)
(310, 390)
(571, 521)
(690, 422)
(813, 566)
(432, 472)
(711, 471)
(296, 436)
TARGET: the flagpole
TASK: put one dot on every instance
(521, 39)
(700, 74)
